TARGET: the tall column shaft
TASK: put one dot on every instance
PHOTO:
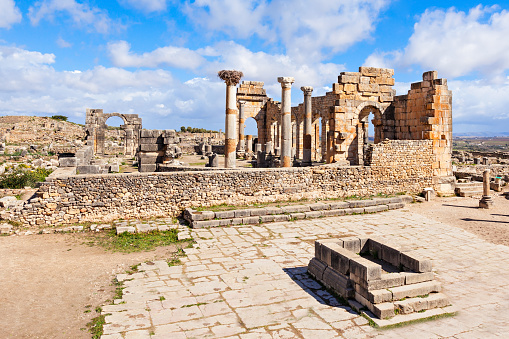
(286, 121)
(249, 143)
(486, 182)
(230, 144)
(242, 120)
(306, 152)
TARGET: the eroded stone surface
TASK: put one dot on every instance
(250, 281)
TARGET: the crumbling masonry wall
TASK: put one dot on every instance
(135, 195)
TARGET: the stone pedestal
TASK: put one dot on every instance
(213, 160)
(286, 121)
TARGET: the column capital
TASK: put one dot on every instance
(307, 90)
(286, 81)
(242, 103)
(230, 77)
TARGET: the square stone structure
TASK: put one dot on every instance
(381, 278)
(340, 119)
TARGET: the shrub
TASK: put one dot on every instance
(21, 178)
(59, 117)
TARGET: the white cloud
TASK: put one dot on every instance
(30, 85)
(9, 14)
(82, 15)
(456, 43)
(261, 66)
(172, 56)
(147, 6)
(306, 29)
(63, 44)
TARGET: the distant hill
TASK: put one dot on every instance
(481, 134)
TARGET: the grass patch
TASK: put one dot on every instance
(127, 242)
(95, 326)
(197, 163)
(21, 178)
(410, 322)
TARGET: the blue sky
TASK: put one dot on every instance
(159, 58)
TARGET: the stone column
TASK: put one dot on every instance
(486, 201)
(306, 152)
(249, 146)
(231, 78)
(242, 119)
(286, 121)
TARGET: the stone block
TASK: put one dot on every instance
(203, 215)
(352, 244)
(386, 281)
(297, 216)
(337, 282)
(236, 221)
(340, 259)
(375, 209)
(273, 210)
(147, 167)
(316, 268)
(415, 278)
(281, 217)
(295, 209)
(334, 212)
(411, 305)
(242, 213)
(68, 162)
(128, 229)
(365, 269)
(258, 211)
(379, 296)
(356, 210)
(318, 250)
(205, 224)
(361, 203)
(319, 207)
(224, 214)
(384, 310)
(114, 168)
(89, 169)
(266, 218)
(225, 222)
(436, 300)
(391, 254)
(313, 214)
(418, 265)
(338, 205)
(151, 147)
(251, 220)
(414, 290)
(394, 206)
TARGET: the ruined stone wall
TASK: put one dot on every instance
(134, 195)
(425, 113)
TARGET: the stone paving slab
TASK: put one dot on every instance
(250, 281)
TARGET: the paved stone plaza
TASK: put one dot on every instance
(251, 282)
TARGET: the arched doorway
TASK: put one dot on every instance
(251, 128)
(369, 129)
(114, 139)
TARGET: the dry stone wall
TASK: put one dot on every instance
(133, 195)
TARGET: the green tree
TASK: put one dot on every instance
(59, 117)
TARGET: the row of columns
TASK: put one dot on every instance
(286, 120)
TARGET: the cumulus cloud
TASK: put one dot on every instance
(121, 55)
(455, 43)
(30, 85)
(308, 30)
(63, 44)
(147, 6)
(9, 14)
(82, 15)
(261, 66)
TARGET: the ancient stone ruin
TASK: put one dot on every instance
(379, 277)
(95, 127)
(334, 128)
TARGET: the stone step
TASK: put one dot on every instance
(411, 305)
(201, 219)
(470, 193)
(468, 185)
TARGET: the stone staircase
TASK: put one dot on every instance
(468, 189)
(253, 216)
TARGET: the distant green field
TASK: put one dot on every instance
(481, 144)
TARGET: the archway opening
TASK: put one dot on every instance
(368, 131)
(251, 128)
(114, 139)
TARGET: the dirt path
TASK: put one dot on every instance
(46, 282)
(490, 224)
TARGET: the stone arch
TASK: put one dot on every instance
(95, 127)
(362, 113)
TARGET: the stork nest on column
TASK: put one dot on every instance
(231, 77)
